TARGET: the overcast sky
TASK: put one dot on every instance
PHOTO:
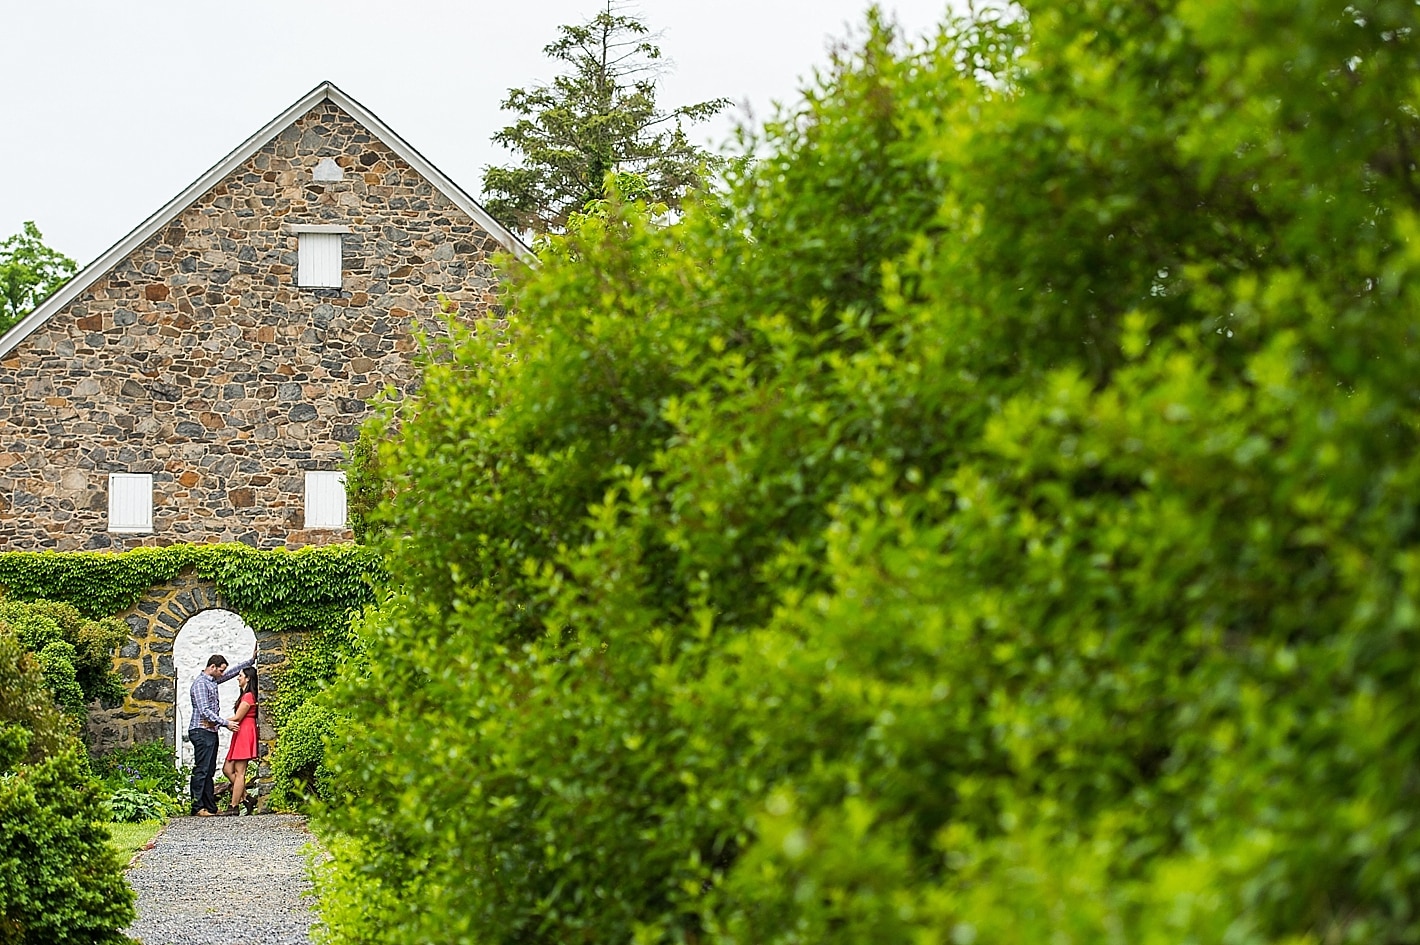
(113, 108)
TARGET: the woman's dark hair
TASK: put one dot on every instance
(249, 673)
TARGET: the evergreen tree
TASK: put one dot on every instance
(598, 117)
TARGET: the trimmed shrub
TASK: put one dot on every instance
(60, 881)
(993, 517)
(298, 768)
(76, 652)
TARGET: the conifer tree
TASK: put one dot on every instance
(600, 116)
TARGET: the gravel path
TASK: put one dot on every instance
(225, 880)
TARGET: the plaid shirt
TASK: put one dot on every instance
(204, 698)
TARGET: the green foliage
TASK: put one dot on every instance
(131, 805)
(143, 782)
(75, 651)
(993, 518)
(30, 272)
(272, 589)
(60, 881)
(600, 117)
(56, 661)
(144, 762)
(363, 483)
(298, 767)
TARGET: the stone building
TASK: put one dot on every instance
(198, 381)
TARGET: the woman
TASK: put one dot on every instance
(243, 747)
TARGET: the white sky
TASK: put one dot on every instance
(113, 107)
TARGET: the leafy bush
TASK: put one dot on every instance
(298, 768)
(144, 762)
(143, 782)
(60, 881)
(128, 805)
(994, 517)
(56, 662)
(312, 662)
(75, 652)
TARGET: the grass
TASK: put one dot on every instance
(128, 839)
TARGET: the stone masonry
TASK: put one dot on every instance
(148, 711)
(199, 360)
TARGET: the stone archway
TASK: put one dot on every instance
(145, 664)
(208, 632)
(150, 673)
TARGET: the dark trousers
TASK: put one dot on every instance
(204, 765)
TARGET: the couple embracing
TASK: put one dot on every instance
(207, 718)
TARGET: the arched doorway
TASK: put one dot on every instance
(202, 635)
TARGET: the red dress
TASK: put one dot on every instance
(243, 747)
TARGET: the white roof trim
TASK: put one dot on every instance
(174, 208)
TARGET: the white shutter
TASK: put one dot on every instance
(318, 260)
(130, 502)
(325, 500)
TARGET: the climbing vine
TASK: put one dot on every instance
(272, 589)
(314, 591)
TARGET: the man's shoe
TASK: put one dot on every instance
(204, 812)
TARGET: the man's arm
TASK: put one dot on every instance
(234, 670)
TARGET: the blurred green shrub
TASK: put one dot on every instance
(993, 517)
(60, 881)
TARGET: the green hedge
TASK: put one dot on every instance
(992, 518)
(60, 881)
(298, 767)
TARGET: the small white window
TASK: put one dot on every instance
(130, 502)
(325, 500)
(318, 260)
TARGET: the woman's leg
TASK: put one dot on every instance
(238, 774)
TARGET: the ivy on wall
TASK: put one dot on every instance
(313, 591)
(273, 589)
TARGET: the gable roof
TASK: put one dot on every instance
(326, 91)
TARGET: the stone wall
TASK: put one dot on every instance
(145, 663)
(199, 360)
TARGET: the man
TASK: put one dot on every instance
(202, 730)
